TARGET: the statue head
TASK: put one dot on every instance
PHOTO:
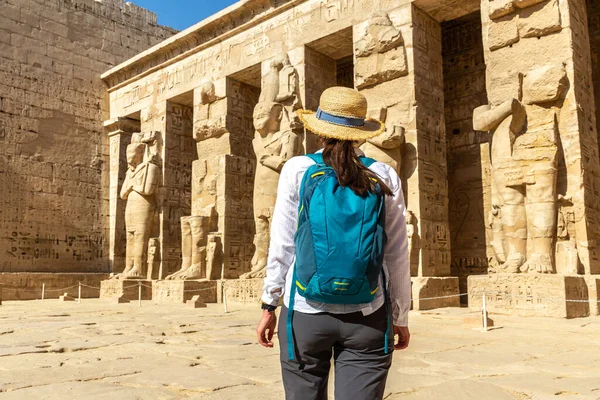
(380, 18)
(135, 154)
(267, 117)
(207, 92)
(279, 61)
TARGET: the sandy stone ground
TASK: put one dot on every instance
(96, 350)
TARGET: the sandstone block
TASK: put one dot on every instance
(378, 68)
(545, 84)
(432, 292)
(500, 8)
(195, 302)
(475, 320)
(540, 20)
(180, 291)
(125, 288)
(243, 291)
(66, 297)
(503, 32)
(530, 295)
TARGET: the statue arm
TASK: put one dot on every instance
(390, 139)
(288, 150)
(486, 118)
(126, 188)
(151, 180)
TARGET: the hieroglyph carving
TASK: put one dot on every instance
(275, 142)
(379, 51)
(139, 189)
(524, 171)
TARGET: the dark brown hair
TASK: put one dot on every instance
(350, 171)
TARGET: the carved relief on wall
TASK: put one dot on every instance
(138, 190)
(387, 147)
(380, 53)
(275, 142)
(524, 151)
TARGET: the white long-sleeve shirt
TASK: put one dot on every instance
(282, 249)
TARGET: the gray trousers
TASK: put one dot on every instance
(356, 343)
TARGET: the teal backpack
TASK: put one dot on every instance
(339, 243)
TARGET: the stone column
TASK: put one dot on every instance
(398, 66)
(175, 154)
(119, 132)
(539, 71)
(223, 175)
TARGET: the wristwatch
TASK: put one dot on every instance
(268, 307)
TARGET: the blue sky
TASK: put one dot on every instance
(181, 14)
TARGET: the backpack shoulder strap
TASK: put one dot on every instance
(367, 161)
(316, 157)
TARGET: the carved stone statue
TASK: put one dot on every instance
(153, 258)
(214, 257)
(412, 233)
(194, 235)
(387, 147)
(497, 236)
(273, 147)
(138, 189)
(524, 163)
(275, 142)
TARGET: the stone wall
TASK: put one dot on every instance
(52, 105)
(468, 150)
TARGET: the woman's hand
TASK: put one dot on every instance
(266, 328)
(403, 337)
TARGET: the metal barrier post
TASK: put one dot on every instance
(225, 297)
(43, 291)
(139, 293)
(79, 293)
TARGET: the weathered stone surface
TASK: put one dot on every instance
(545, 84)
(180, 291)
(593, 282)
(430, 293)
(503, 32)
(540, 20)
(531, 295)
(126, 289)
(53, 152)
(28, 286)
(500, 8)
(247, 291)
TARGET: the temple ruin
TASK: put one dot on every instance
(491, 122)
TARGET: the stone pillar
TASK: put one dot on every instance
(175, 153)
(223, 175)
(538, 65)
(398, 66)
(119, 132)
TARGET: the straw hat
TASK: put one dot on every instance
(342, 114)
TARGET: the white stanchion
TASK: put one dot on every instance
(140, 294)
(43, 291)
(79, 293)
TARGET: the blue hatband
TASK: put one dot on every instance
(337, 120)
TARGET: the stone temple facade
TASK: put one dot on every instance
(491, 115)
